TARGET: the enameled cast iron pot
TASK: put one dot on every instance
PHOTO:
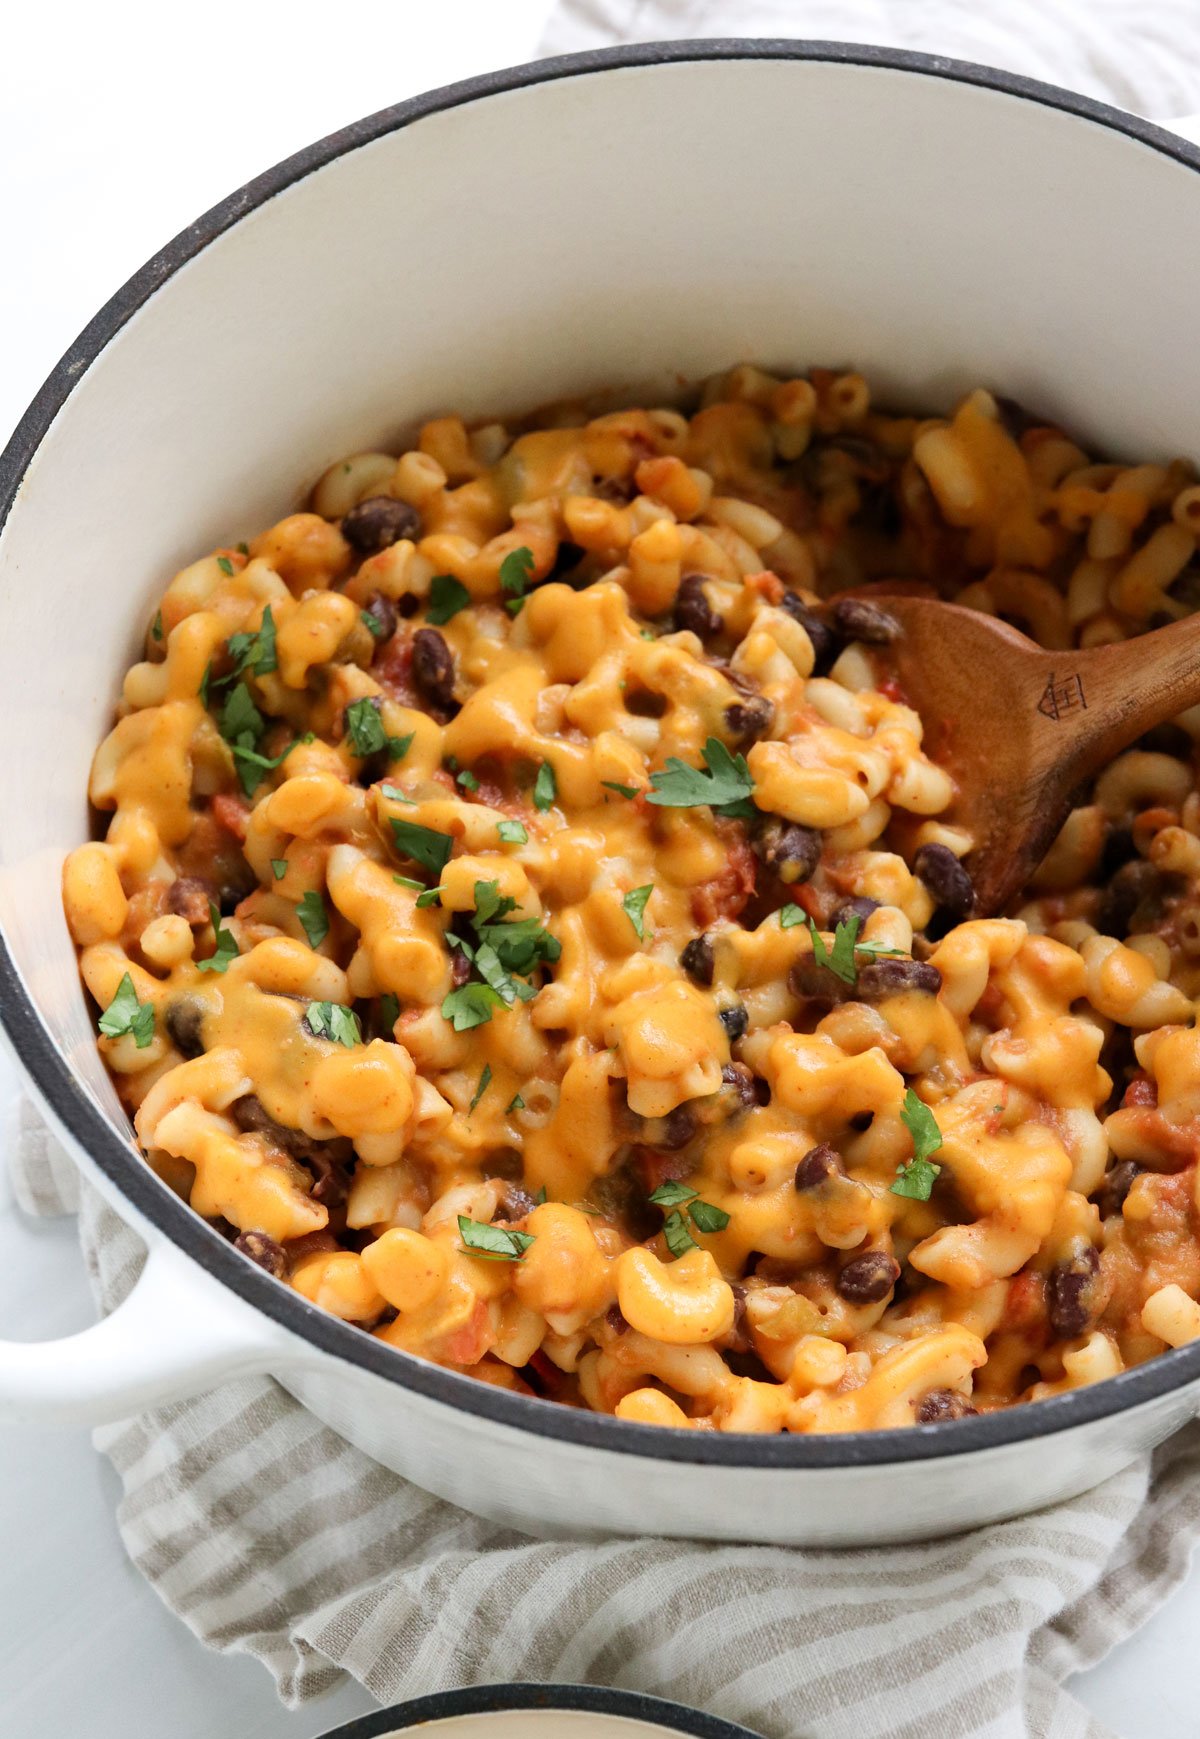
(527, 1711)
(625, 220)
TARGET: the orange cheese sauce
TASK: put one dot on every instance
(529, 925)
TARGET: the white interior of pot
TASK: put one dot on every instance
(619, 229)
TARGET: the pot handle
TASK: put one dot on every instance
(166, 1341)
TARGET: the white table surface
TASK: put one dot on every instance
(118, 125)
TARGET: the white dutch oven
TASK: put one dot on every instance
(620, 219)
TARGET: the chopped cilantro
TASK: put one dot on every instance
(156, 627)
(280, 867)
(389, 1011)
(706, 1217)
(256, 651)
(679, 1239)
(916, 1179)
(243, 549)
(545, 787)
(331, 1020)
(727, 786)
(672, 1193)
(225, 565)
(369, 620)
(125, 1014)
(485, 1081)
(397, 796)
(241, 718)
(431, 897)
(470, 1006)
(447, 596)
(364, 727)
(496, 1242)
(425, 845)
(840, 959)
(226, 948)
(467, 780)
(512, 832)
(314, 919)
(634, 907)
(792, 915)
(409, 882)
(516, 1103)
(621, 790)
(515, 570)
(253, 767)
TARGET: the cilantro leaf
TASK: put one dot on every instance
(916, 1179)
(364, 727)
(280, 867)
(397, 796)
(225, 565)
(726, 786)
(839, 960)
(125, 1014)
(243, 549)
(373, 623)
(409, 882)
(487, 964)
(877, 949)
(545, 787)
(226, 948)
(255, 651)
(491, 904)
(389, 1011)
(516, 1103)
(678, 1239)
(512, 832)
(431, 897)
(156, 627)
(792, 915)
(515, 570)
(621, 790)
(240, 717)
(470, 1006)
(447, 596)
(314, 919)
(467, 780)
(332, 1020)
(496, 1242)
(425, 845)
(484, 1083)
(707, 1217)
(634, 907)
(671, 1194)
(253, 767)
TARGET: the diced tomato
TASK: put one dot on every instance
(768, 585)
(1141, 1091)
(1025, 1305)
(656, 1168)
(891, 688)
(393, 671)
(231, 812)
(467, 1345)
(726, 894)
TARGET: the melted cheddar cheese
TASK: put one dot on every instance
(528, 922)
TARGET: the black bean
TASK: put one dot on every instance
(621, 1194)
(188, 897)
(1071, 1295)
(460, 968)
(744, 1084)
(697, 960)
(614, 1316)
(938, 1405)
(947, 880)
(747, 720)
(251, 1115)
(1135, 885)
(677, 1128)
(515, 1203)
(378, 522)
(819, 1164)
(859, 907)
(816, 983)
(567, 558)
(1118, 1181)
(693, 610)
(433, 669)
(263, 1250)
(825, 643)
(331, 1179)
(738, 1339)
(858, 620)
(884, 977)
(735, 1020)
(184, 1020)
(788, 850)
(868, 1278)
(384, 614)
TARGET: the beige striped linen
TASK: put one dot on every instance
(269, 1535)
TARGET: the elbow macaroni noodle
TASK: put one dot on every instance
(475, 923)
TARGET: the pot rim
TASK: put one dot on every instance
(73, 1106)
(524, 1694)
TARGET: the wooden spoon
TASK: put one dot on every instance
(1019, 728)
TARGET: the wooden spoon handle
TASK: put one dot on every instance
(1128, 687)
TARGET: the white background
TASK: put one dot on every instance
(118, 125)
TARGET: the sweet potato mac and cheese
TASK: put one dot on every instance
(529, 926)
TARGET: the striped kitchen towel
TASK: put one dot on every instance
(268, 1535)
